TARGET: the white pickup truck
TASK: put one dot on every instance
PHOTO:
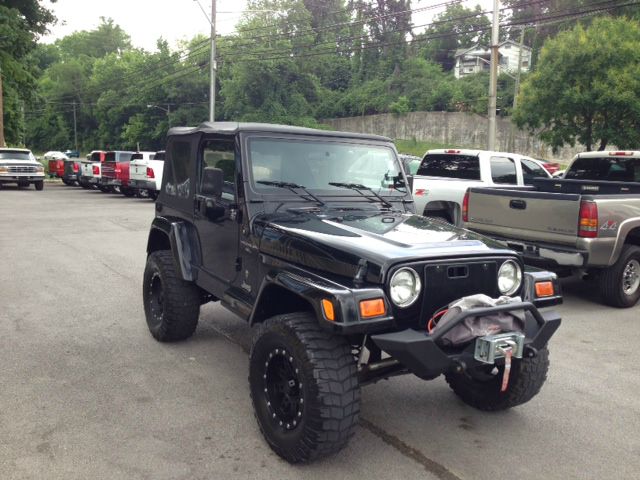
(445, 175)
(145, 172)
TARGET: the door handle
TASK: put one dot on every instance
(518, 204)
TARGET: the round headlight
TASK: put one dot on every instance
(404, 287)
(509, 277)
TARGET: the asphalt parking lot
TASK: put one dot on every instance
(85, 392)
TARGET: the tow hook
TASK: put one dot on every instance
(530, 352)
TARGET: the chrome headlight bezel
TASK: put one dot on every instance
(415, 288)
(515, 277)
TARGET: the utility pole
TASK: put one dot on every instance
(493, 82)
(75, 127)
(212, 65)
(516, 89)
(169, 114)
(2, 144)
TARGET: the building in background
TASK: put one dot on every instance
(476, 59)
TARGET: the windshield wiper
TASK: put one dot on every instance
(358, 187)
(292, 186)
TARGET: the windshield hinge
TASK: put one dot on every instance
(361, 273)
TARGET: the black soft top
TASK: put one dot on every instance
(230, 128)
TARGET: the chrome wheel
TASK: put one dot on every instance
(631, 277)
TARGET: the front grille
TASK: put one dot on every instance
(444, 283)
(22, 169)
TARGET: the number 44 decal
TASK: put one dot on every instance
(609, 225)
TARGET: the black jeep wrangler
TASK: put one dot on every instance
(311, 237)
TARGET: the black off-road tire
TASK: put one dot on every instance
(525, 381)
(39, 185)
(611, 279)
(171, 305)
(324, 375)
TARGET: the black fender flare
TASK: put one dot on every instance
(182, 239)
(307, 286)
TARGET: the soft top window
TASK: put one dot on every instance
(466, 167)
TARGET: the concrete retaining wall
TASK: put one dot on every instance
(452, 128)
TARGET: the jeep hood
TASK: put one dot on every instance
(339, 242)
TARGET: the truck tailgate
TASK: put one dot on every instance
(535, 216)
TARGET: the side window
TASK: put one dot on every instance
(178, 181)
(503, 170)
(221, 154)
(531, 170)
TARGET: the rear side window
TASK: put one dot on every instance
(466, 167)
(613, 169)
(531, 170)
(503, 170)
(110, 157)
(159, 156)
(136, 156)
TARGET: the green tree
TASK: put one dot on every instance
(455, 28)
(586, 88)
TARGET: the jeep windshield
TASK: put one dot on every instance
(324, 167)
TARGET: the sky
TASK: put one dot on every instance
(174, 20)
(144, 20)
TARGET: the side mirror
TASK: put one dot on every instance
(212, 182)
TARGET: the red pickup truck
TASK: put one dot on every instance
(115, 172)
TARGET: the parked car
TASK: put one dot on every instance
(71, 173)
(145, 172)
(551, 167)
(587, 223)
(19, 166)
(333, 274)
(411, 163)
(445, 175)
(55, 162)
(89, 171)
(72, 153)
(115, 172)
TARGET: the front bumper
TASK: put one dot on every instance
(420, 352)
(22, 177)
(143, 184)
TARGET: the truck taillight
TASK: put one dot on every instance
(588, 222)
(150, 173)
(75, 167)
(452, 151)
(96, 170)
(620, 154)
(465, 207)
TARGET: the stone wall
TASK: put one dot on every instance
(452, 128)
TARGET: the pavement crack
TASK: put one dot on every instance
(431, 466)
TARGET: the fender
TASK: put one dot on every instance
(312, 289)
(183, 242)
(621, 237)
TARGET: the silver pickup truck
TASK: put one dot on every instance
(586, 222)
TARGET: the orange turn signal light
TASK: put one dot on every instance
(544, 289)
(372, 308)
(327, 309)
